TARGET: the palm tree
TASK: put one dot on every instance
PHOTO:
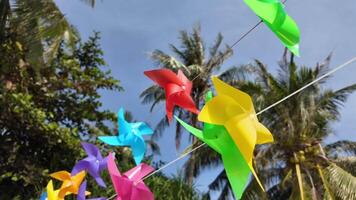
(32, 23)
(198, 64)
(298, 165)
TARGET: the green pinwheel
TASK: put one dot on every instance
(217, 137)
(275, 17)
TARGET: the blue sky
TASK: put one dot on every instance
(130, 29)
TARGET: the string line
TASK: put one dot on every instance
(196, 148)
(260, 112)
(264, 110)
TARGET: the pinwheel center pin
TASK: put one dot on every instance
(183, 87)
(134, 131)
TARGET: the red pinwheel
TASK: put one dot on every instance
(177, 88)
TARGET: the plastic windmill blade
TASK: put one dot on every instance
(275, 17)
(234, 110)
(70, 184)
(51, 194)
(217, 137)
(130, 186)
(94, 164)
(177, 88)
(43, 196)
(130, 134)
(81, 193)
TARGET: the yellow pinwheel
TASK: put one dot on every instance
(234, 109)
(70, 183)
(51, 193)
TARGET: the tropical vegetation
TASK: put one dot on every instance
(50, 101)
(298, 165)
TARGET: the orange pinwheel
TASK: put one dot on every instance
(70, 183)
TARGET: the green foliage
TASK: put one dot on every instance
(42, 117)
(171, 188)
(50, 101)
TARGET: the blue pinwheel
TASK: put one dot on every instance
(94, 164)
(43, 196)
(130, 134)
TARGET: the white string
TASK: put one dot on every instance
(260, 112)
(309, 84)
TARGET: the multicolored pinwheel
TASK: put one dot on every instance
(130, 186)
(81, 193)
(177, 88)
(276, 18)
(94, 164)
(234, 110)
(130, 134)
(217, 137)
(70, 183)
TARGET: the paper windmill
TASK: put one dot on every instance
(217, 137)
(51, 194)
(130, 134)
(234, 110)
(94, 164)
(81, 192)
(43, 196)
(130, 186)
(275, 17)
(70, 183)
(177, 88)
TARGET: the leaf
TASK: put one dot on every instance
(342, 183)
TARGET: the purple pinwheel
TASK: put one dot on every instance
(94, 164)
(81, 192)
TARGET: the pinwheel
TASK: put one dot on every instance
(70, 183)
(43, 196)
(177, 88)
(51, 194)
(275, 17)
(94, 164)
(81, 192)
(234, 110)
(130, 134)
(130, 186)
(217, 137)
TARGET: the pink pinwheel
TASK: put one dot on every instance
(81, 193)
(130, 186)
(93, 164)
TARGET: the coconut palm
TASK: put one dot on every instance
(198, 64)
(32, 23)
(298, 165)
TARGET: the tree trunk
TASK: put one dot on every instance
(4, 12)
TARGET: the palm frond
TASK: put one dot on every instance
(40, 22)
(341, 149)
(200, 160)
(154, 95)
(153, 146)
(253, 191)
(166, 61)
(348, 164)
(342, 183)
(160, 127)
